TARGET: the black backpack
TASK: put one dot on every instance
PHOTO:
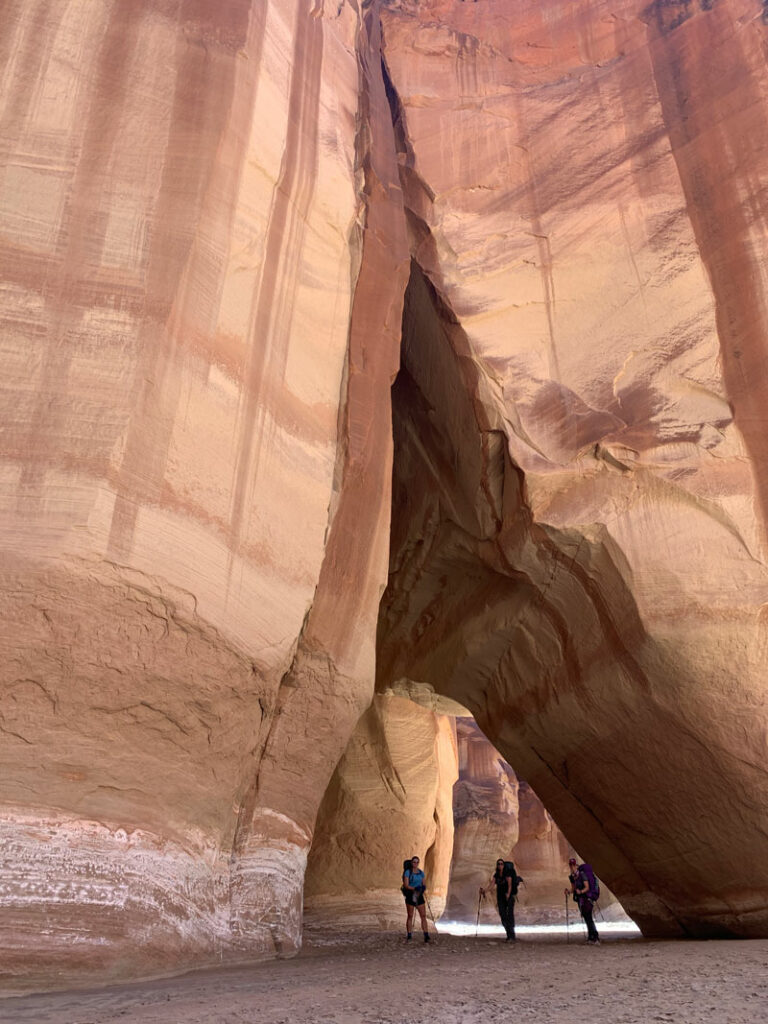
(406, 867)
(509, 872)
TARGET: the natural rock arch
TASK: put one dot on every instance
(208, 213)
(569, 558)
(535, 628)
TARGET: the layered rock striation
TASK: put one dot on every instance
(207, 213)
(203, 264)
(390, 799)
(578, 519)
(498, 815)
(486, 819)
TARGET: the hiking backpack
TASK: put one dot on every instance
(509, 872)
(406, 867)
(593, 890)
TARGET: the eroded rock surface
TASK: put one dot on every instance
(204, 250)
(541, 856)
(579, 515)
(203, 261)
(390, 798)
(485, 815)
(498, 815)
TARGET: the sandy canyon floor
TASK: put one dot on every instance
(456, 980)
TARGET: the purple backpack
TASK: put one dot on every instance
(593, 892)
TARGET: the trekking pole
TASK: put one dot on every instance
(429, 908)
(477, 923)
(567, 921)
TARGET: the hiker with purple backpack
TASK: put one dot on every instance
(586, 892)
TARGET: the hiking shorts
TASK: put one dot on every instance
(414, 899)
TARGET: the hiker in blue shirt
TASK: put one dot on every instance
(413, 888)
(582, 894)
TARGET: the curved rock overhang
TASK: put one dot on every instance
(578, 528)
(209, 213)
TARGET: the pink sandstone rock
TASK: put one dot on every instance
(541, 856)
(203, 262)
(486, 816)
(498, 815)
(205, 225)
(578, 522)
(390, 798)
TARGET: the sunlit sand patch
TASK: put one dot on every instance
(616, 929)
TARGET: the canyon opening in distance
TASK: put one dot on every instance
(384, 395)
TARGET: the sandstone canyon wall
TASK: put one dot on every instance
(205, 247)
(390, 798)
(578, 537)
(202, 278)
(485, 817)
(541, 856)
(498, 815)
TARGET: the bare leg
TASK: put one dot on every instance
(409, 918)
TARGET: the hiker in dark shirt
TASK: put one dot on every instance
(506, 880)
(580, 889)
(413, 888)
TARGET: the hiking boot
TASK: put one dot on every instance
(409, 936)
(511, 938)
(426, 936)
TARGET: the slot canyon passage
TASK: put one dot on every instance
(366, 364)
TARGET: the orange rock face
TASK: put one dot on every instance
(498, 815)
(579, 525)
(198, 244)
(486, 816)
(206, 216)
(390, 799)
(541, 856)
